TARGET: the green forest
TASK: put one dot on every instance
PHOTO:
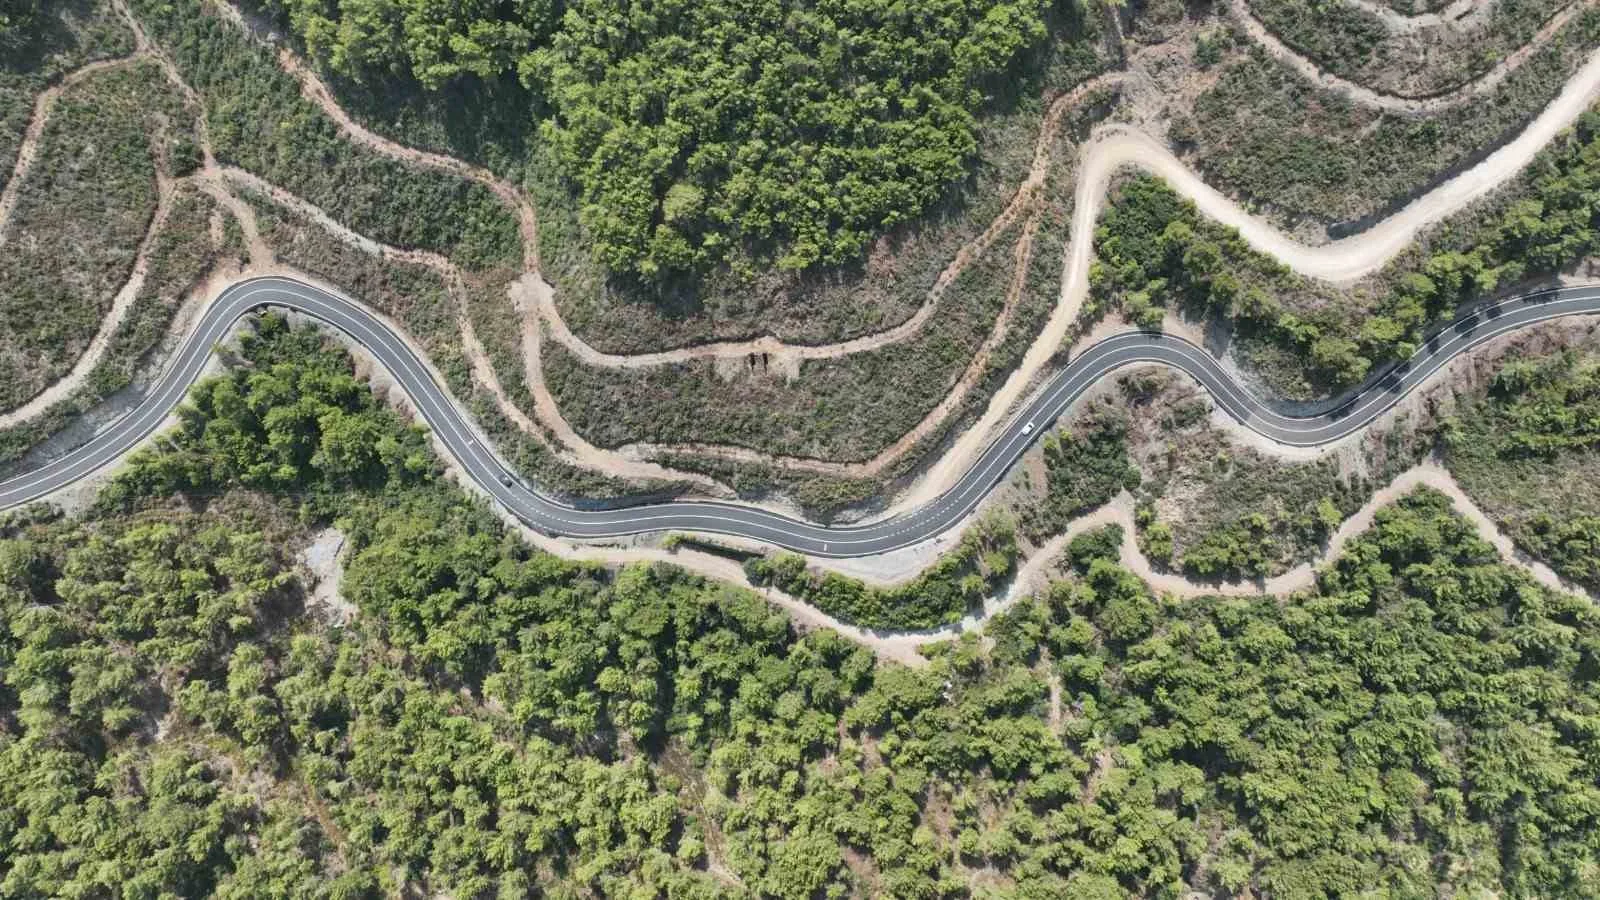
(177, 720)
(711, 132)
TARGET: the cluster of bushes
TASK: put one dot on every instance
(702, 132)
(959, 581)
(1154, 252)
(1084, 468)
(295, 419)
(1546, 405)
(1529, 451)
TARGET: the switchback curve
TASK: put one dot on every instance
(552, 516)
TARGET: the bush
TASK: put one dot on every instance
(957, 582)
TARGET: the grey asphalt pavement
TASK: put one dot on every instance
(550, 515)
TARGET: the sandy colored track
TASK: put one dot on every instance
(1483, 84)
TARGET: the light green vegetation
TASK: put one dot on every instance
(259, 121)
(497, 722)
(954, 585)
(1528, 450)
(37, 47)
(180, 255)
(88, 198)
(1262, 132)
(1369, 736)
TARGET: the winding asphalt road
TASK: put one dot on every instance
(1334, 421)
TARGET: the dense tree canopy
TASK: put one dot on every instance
(430, 41)
(702, 130)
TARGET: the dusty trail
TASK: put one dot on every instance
(1488, 81)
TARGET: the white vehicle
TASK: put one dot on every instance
(1027, 428)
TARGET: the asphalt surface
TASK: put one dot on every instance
(551, 516)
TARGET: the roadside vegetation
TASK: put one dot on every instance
(954, 585)
(419, 299)
(496, 721)
(1085, 465)
(1156, 253)
(1528, 450)
(1206, 505)
(88, 198)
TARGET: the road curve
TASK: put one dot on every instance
(1335, 420)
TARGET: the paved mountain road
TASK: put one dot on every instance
(1335, 420)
